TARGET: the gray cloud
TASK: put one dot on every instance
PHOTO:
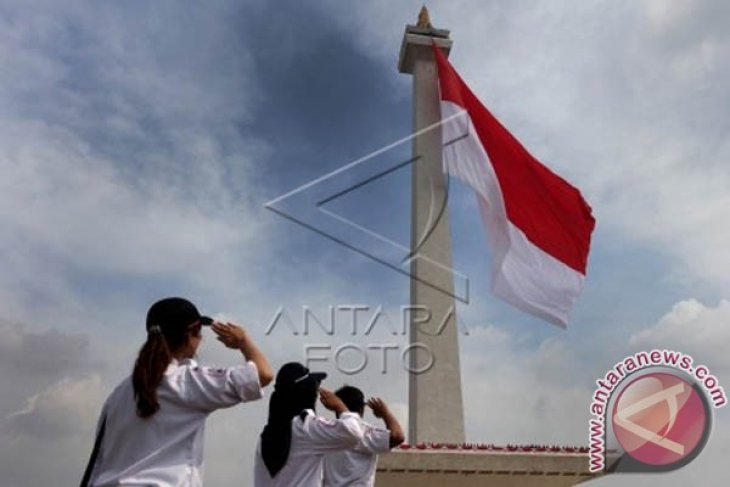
(46, 353)
(65, 409)
(51, 394)
(694, 328)
(32, 361)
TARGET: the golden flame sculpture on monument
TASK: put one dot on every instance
(436, 453)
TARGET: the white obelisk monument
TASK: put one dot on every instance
(435, 404)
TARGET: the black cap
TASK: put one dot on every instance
(174, 313)
(293, 374)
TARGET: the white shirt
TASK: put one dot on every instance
(311, 439)
(356, 467)
(166, 450)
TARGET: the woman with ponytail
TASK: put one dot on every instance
(152, 426)
(295, 440)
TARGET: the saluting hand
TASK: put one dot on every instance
(330, 400)
(380, 409)
(232, 336)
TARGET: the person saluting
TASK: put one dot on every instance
(356, 467)
(295, 440)
(151, 427)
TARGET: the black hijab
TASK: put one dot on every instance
(295, 391)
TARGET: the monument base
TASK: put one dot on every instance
(467, 466)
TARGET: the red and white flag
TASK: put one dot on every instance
(538, 225)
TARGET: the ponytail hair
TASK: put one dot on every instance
(149, 369)
(169, 326)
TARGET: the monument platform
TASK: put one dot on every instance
(478, 465)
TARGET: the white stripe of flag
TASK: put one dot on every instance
(538, 225)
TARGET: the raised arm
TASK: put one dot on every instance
(330, 400)
(233, 336)
(381, 410)
(324, 435)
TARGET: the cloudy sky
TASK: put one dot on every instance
(140, 141)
